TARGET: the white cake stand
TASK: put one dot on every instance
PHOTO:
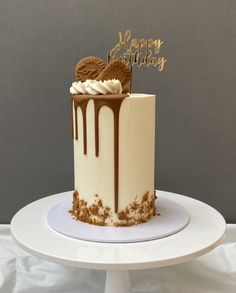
(31, 232)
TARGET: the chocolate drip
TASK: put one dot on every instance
(96, 126)
(76, 121)
(72, 122)
(114, 103)
(82, 103)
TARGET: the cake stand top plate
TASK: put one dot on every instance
(204, 232)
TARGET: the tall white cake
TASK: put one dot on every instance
(95, 175)
(114, 138)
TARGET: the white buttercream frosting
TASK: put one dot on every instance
(96, 87)
(95, 175)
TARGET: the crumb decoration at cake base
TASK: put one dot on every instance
(113, 132)
(98, 214)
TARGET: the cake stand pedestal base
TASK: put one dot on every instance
(117, 281)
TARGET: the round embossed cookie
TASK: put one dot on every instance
(89, 68)
(118, 70)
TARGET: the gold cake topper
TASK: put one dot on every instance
(137, 51)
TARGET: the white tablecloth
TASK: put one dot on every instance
(23, 273)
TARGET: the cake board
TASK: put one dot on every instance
(204, 232)
(171, 218)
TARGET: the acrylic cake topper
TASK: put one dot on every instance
(120, 60)
(137, 51)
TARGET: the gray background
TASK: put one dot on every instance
(41, 41)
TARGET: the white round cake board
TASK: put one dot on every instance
(173, 218)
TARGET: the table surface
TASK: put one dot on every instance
(31, 232)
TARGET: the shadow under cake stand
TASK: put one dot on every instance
(30, 230)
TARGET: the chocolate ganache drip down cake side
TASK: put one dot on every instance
(114, 137)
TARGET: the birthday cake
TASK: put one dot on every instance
(113, 132)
